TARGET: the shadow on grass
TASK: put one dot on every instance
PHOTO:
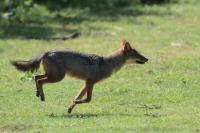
(89, 13)
(86, 115)
(109, 14)
(15, 128)
(30, 31)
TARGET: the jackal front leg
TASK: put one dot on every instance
(79, 96)
(87, 88)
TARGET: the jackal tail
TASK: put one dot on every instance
(30, 65)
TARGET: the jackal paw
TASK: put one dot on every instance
(37, 94)
(69, 110)
(42, 98)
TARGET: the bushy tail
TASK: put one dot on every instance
(31, 65)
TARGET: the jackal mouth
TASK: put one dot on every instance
(140, 62)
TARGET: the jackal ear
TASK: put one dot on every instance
(125, 45)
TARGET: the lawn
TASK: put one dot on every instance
(160, 96)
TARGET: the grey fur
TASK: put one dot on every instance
(84, 66)
(90, 66)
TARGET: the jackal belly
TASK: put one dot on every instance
(84, 72)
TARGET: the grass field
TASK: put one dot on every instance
(160, 96)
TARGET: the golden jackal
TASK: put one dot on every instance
(89, 67)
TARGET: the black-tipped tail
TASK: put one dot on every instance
(31, 65)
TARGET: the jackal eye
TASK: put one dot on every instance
(134, 54)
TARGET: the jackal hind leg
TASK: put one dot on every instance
(54, 70)
(47, 79)
(36, 83)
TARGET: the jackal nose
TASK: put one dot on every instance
(145, 60)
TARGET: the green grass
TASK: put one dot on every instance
(160, 96)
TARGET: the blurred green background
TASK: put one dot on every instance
(161, 96)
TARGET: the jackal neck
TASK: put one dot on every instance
(116, 60)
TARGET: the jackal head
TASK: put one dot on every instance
(131, 54)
